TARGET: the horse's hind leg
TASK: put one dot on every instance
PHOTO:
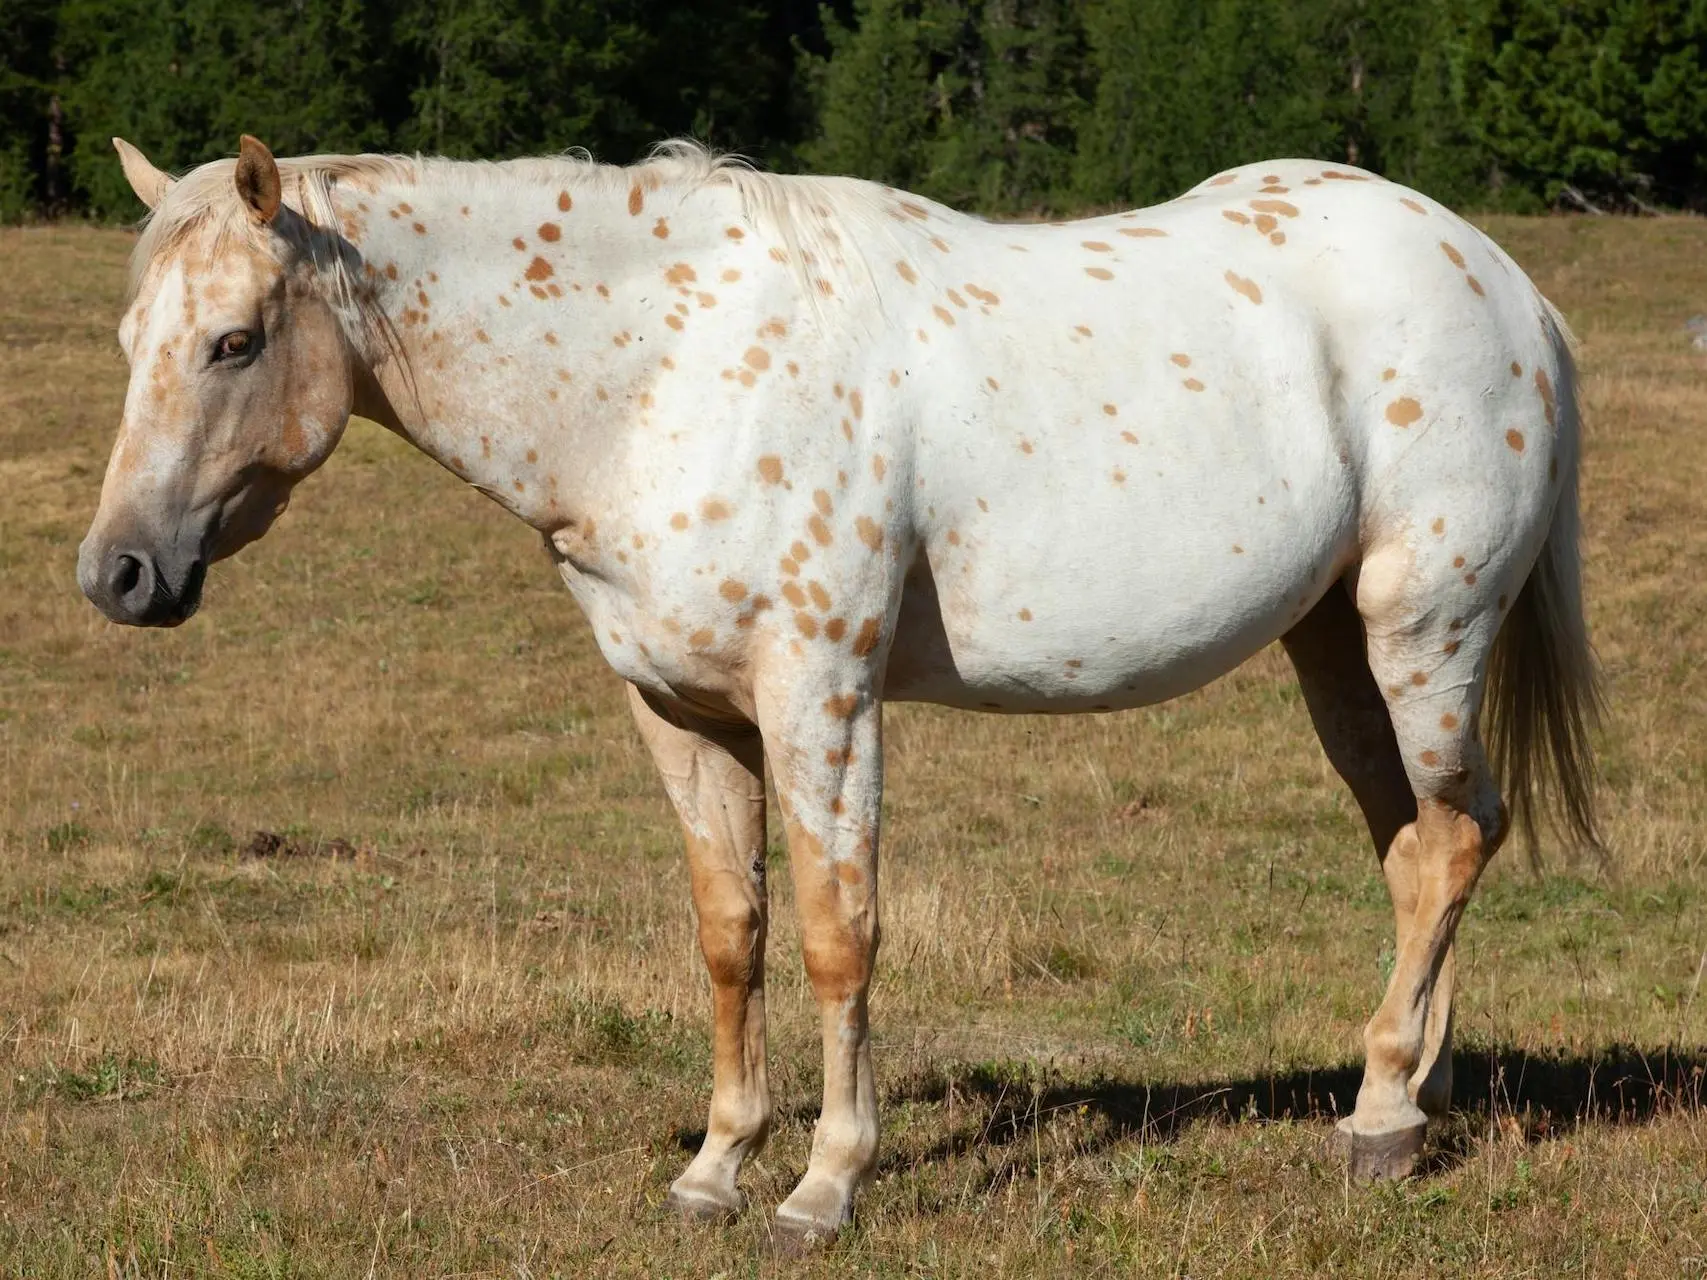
(1430, 672)
(715, 776)
(1328, 650)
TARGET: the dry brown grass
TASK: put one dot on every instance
(1125, 962)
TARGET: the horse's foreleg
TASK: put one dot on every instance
(715, 778)
(826, 751)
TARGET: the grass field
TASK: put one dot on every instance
(455, 1023)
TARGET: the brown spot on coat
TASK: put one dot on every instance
(564, 203)
(807, 624)
(1192, 384)
(550, 232)
(869, 532)
(820, 596)
(1412, 205)
(770, 468)
(1243, 286)
(821, 500)
(1181, 359)
(792, 593)
(661, 228)
(1514, 438)
(819, 530)
(1452, 254)
(714, 509)
(636, 200)
(1404, 411)
(1549, 406)
(1449, 722)
(733, 591)
(1140, 232)
(539, 269)
(1097, 246)
(1234, 215)
(842, 706)
(1099, 273)
(866, 640)
(758, 358)
(1282, 207)
(679, 521)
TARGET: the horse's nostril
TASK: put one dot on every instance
(126, 575)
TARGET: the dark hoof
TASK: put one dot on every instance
(693, 1208)
(1384, 1157)
(797, 1239)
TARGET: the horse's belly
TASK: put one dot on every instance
(1107, 614)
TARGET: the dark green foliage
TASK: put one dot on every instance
(999, 105)
(1601, 99)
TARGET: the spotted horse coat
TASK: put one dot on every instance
(802, 445)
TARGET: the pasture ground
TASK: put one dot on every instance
(456, 1024)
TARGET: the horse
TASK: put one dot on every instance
(800, 445)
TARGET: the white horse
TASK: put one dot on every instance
(799, 445)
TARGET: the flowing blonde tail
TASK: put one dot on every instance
(1544, 692)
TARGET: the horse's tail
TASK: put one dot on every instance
(1544, 696)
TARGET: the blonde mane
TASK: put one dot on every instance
(814, 217)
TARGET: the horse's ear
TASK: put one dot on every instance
(147, 181)
(257, 178)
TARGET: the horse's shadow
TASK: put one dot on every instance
(1541, 1094)
(1537, 1094)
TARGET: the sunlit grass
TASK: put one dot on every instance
(1126, 959)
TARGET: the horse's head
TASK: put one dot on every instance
(241, 383)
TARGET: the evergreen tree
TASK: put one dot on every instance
(873, 94)
(1010, 98)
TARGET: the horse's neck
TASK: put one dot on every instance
(523, 322)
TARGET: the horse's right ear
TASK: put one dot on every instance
(147, 181)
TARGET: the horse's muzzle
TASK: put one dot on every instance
(132, 587)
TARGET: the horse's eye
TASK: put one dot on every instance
(232, 345)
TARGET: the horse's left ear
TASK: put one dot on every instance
(257, 178)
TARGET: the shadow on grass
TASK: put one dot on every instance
(1543, 1094)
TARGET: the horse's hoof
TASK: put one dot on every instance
(798, 1237)
(1382, 1157)
(700, 1207)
